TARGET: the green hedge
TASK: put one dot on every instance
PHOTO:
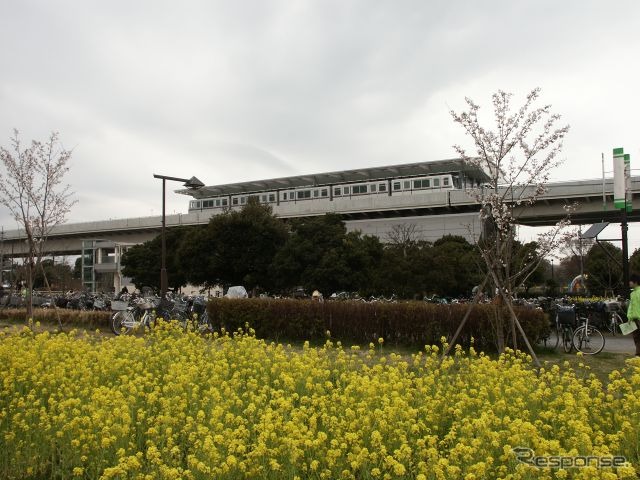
(409, 324)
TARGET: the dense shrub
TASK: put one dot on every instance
(79, 318)
(410, 324)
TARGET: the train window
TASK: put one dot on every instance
(337, 192)
(324, 192)
(426, 184)
(304, 194)
(207, 204)
(263, 199)
(373, 188)
(234, 201)
(272, 197)
(417, 184)
(436, 182)
(382, 187)
(407, 185)
(445, 181)
(396, 185)
(359, 189)
(346, 190)
(217, 202)
(316, 193)
(243, 200)
(224, 202)
(284, 196)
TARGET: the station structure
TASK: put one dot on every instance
(435, 198)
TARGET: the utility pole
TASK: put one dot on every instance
(622, 200)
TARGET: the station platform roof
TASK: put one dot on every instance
(456, 165)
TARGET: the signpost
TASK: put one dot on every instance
(622, 200)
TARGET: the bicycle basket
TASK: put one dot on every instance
(147, 304)
(118, 305)
(566, 314)
(612, 306)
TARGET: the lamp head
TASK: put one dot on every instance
(193, 183)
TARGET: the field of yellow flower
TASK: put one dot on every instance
(172, 405)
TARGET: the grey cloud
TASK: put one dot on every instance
(241, 90)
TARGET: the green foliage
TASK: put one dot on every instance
(448, 267)
(252, 247)
(634, 261)
(523, 255)
(77, 269)
(458, 266)
(59, 275)
(604, 273)
(142, 262)
(236, 248)
(320, 254)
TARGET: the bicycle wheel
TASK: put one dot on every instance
(588, 340)
(567, 342)
(180, 316)
(554, 338)
(122, 322)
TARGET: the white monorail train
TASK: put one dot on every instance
(388, 186)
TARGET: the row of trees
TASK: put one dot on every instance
(602, 266)
(254, 248)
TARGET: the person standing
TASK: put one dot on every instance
(633, 312)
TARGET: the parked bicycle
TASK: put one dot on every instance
(129, 317)
(198, 316)
(562, 331)
(614, 317)
(587, 338)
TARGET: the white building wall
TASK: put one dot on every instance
(429, 228)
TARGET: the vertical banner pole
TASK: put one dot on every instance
(619, 181)
(604, 196)
(622, 200)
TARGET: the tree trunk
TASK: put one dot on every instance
(500, 340)
(29, 290)
(55, 307)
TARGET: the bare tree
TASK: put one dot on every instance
(403, 236)
(32, 189)
(519, 156)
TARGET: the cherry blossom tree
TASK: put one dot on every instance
(32, 189)
(519, 153)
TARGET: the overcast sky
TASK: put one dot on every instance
(231, 91)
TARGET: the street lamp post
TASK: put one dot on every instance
(192, 183)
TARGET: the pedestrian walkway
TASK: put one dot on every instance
(619, 344)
